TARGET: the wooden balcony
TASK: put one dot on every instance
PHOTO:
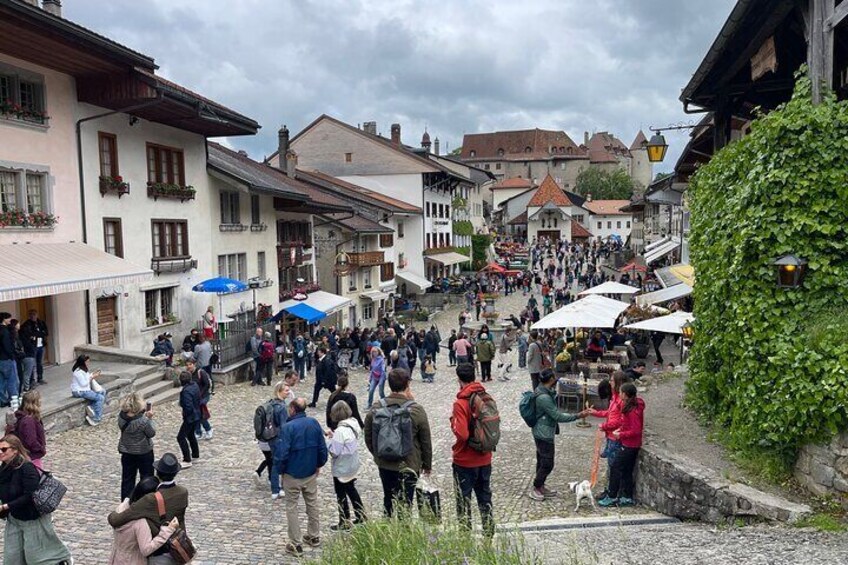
(289, 256)
(367, 259)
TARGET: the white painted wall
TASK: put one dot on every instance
(605, 225)
(503, 194)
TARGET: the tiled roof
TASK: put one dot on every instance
(350, 190)
(520, 219)
(529, 144)
(639, 142)
(603, 147)
(361, 224)
(549, 191)
(606, 207)
(579, 231)
(515, 182)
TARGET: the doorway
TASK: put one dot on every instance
(351, 317)
(552, 235)
(40, 305)
(107, 322)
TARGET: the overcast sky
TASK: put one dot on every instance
(456, 66)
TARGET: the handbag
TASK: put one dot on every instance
(48, 494)
(180, 547)
(428, 499)
(204, 412)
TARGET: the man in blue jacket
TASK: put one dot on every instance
(299, 454)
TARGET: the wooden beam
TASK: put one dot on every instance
(816, 53)
(834, 19)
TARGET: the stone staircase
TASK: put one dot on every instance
(156, 387)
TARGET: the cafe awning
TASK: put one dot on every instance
(374, 295)
(594, 311)
(417, 281)
(662, 250)
(31, 270)
(664, 295)
(305, 312)
(610, 287)
(450, 258)
(325, 302)
(670, 324)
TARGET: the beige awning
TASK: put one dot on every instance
(416, 280)
(31, 270)
(450, 258)
(374, 295)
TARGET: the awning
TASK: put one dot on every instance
(305, 312)
(670, 324)
(610, 287)
(325, 302)
(684, 272)
(594, 311)
(450, 258)
(42, 269)
(651, 246)
(661, 251)
(664, 295)
(374, 295)
(417, 281)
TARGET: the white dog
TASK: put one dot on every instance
(582, 490)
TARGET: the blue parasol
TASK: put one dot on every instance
(220, 286)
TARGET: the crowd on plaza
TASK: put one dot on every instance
(395, 428)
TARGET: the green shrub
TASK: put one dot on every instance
(414, 542)
(770, 364)
(463, 227)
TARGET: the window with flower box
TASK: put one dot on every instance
(25, 199)
(159, 306)
(22, 96)
(165, 165)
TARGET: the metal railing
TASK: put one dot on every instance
(230, 344)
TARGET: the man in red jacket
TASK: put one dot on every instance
(472, 469)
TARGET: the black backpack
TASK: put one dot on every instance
(392, 431)
(264, 425)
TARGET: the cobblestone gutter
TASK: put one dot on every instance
(687, 490)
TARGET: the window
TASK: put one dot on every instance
(628, 224)
(230, 208)
(600, 225)
(386, 239)
(486, 166)
(159, 306)
(368, 311)
(260, 263)
(165, 164)
(351, 282)
(609, 225)
(429, 245)
(233, 266)
(170, 239)
(255, 217)
(34, 193)
(348, 157)
(497, 166)
(24, 190)
(366, 278)
(528, 149)
(427, 207)
(401, 260)
(447, 211)
(500, 153)
(400, 230)
(562, 166)
(8, 191)
(387, 272)
(113, 239)
(472, 153)
(27, 91)
(618, 224)
(108, 144)
(579, 218)
(295, 232)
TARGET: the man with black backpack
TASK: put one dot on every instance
(476, 424)
(397, 433)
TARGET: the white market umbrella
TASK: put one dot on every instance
(591, 312)
(670, 324)
(610, 287)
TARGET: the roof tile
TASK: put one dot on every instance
(542, 144)
(606, 207)
(549, 191)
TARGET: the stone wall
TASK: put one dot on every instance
(682, 488)
(71, 413)
(823, 469)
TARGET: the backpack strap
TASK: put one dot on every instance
(160, 504)
(407, 404)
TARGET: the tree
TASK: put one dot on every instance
(456, 152)
(603, 185)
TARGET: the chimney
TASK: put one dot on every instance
(589, 197)
(396, 134)
(370, 127)
(282, 146)
(242, 152)
(436, 146)
(586, 138)
(52, 6)
(291, 163)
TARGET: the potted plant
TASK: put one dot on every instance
(114, 184)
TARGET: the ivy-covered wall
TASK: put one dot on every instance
(771, 364)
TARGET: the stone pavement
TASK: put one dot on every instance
(234, 522)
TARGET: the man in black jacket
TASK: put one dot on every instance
(325, 375)
(8, 367)
(37, 330)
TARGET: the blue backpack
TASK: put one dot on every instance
(527, 408)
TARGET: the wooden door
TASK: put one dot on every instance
(107, 321)
(39, 305)
(552, 235)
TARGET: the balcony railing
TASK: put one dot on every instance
(232, 227)
(367, 258)
(169, 265)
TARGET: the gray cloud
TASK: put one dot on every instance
(457, 67)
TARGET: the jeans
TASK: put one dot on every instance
(621, 476)
(345, 491)
(28, 378)
(522, 359)
(460, 359)
(300, 367)
(132, 464)
(452, 357)
(8, 380)
(372, 384)
(187, 439)
(39, 362)
(485, 370)
(544, 461)
(204, 422)
(95, 400)
(397, 486)
(478, 479)
(307, 487)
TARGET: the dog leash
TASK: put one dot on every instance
(596, 457)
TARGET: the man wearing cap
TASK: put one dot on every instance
(147, 508)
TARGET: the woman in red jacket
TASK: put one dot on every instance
(630, 435)
(613, 416)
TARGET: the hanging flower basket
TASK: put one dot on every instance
(156, 190)
(115, 185)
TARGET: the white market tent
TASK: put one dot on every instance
(610, 287)
(670, 324)
(664, 294)
(591, 312)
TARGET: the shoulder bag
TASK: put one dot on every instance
(180, 547)
(48, 494)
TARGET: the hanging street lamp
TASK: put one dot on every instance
(790, 271)
(657, 148)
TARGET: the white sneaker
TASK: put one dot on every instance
(91, 421)
(275, 496)
(185, 464)
(90, 411)
(208, 435)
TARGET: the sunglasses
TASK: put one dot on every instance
(4, 449)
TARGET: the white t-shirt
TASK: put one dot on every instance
(81, 381)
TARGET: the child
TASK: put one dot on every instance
(630, 435)
(343, 447)
(429, 369)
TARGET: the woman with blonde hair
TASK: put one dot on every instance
(29, 537)
(136, 444)
(29, 429)
(377, 377)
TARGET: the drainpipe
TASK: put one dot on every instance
(79, 123)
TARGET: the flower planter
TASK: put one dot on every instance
(157, 190)
(114, 185)
(23, 219)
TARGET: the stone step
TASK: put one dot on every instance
(585, 522)
(168, 396)
(149, 379)
(155, 388)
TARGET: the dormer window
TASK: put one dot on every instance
(500, 152)
(528, 149)
(472, 153)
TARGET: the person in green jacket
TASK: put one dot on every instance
(485, 354)
(548, 418)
